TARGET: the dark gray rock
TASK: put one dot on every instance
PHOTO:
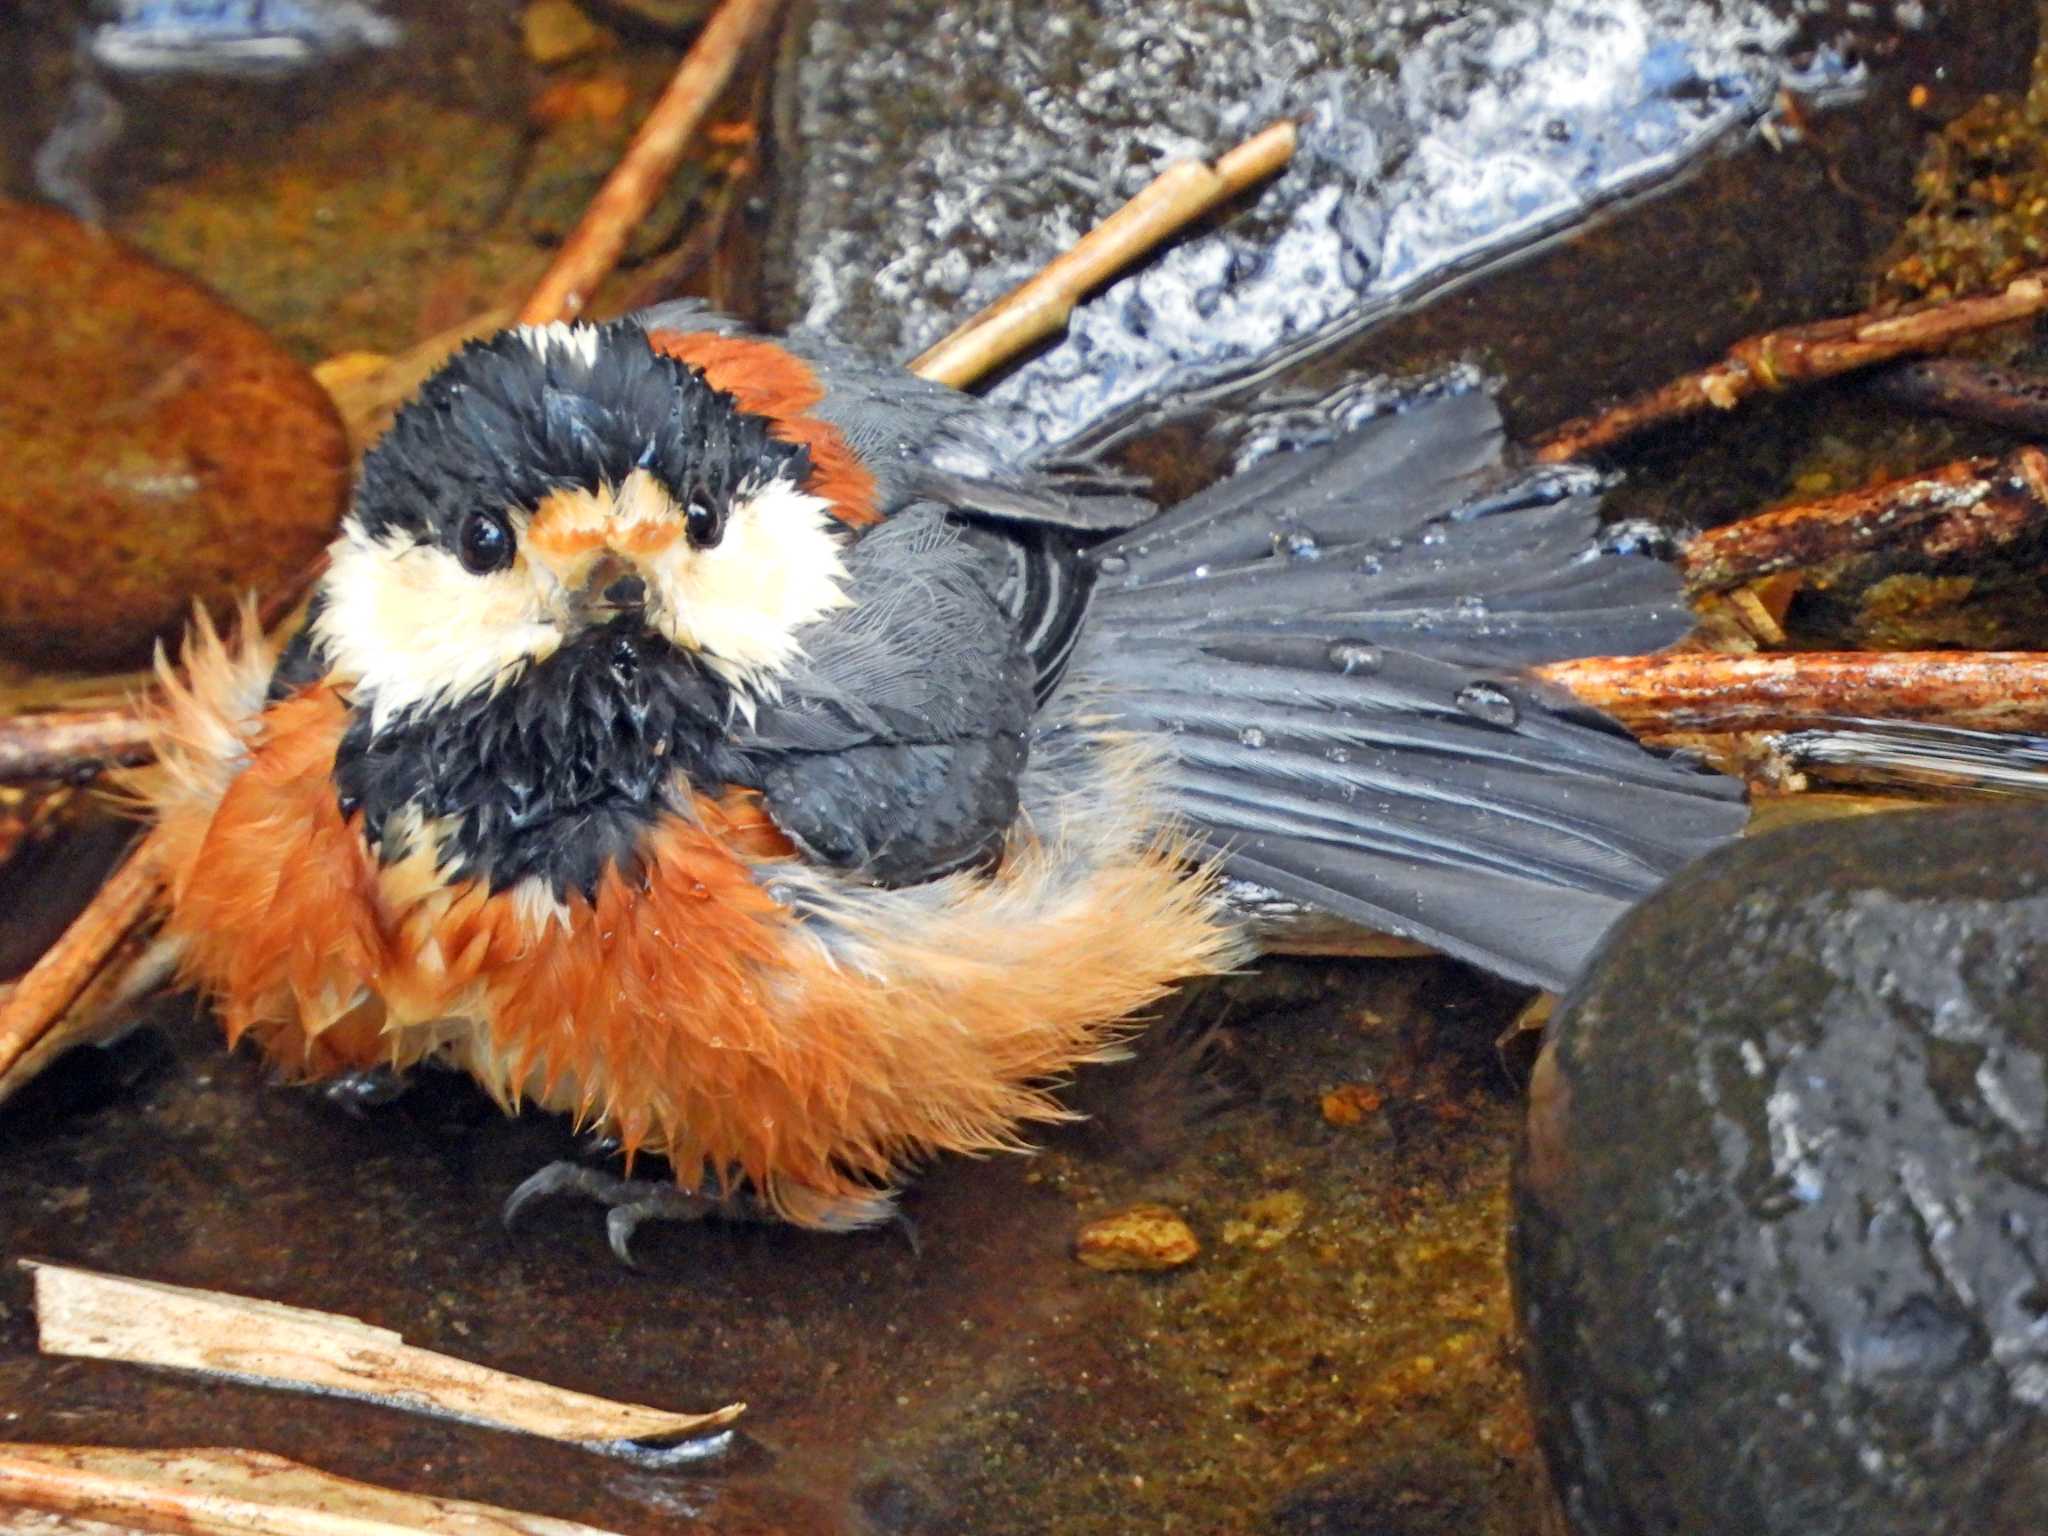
(944, 149)
(1781, 1250)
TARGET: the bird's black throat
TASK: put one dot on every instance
(555, 774)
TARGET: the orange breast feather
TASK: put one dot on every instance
(682, 1007)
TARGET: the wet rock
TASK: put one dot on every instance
(1145, 1237)
(360, 228)
(161, 449)
(945, 150)
(1780, 1209)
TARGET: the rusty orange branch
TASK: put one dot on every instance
(35, 1003)
(636, 182)
(61, 743)
(1970, 507)
(1708, 691)
(1796, 355)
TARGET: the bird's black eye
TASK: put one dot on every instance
(483, 544)
(703, 521)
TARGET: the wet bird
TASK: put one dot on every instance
(725, 741)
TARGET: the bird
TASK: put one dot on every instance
(729, 741)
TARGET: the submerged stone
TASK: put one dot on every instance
(1144, 1237)
(1781, 1203)
(945, 149)
(161, 449)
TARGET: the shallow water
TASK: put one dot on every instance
(1339, 1356)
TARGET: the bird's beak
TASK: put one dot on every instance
(599, 547)
(611, 586)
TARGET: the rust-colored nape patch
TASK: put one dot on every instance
(768, 381)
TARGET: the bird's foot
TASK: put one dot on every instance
(630, 1202)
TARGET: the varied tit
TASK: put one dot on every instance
(719, 740)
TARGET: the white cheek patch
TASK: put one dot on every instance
(409, 625)
(741, 602)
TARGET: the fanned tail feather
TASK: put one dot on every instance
(1330, 645)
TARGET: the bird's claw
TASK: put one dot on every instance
(628, 1202)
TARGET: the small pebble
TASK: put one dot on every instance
(555, 32)
(1350, 1103)
(1144, 1237)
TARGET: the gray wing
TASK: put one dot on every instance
(895, 748)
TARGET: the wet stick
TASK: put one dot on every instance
(636, 182)
(1176, 198)
(1707, 691)
(144, 1322)
(61, 743)
(1970, 507)
(1799, 354)
(93, 1490)
(36, 1013)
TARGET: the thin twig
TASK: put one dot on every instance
(1966, 508)
(1705, 691)
(636, 183)
(58, 744)
(1797, 355)
(40, 999)
(1169, 203)
(217, 1491)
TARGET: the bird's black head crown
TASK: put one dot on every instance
(538, 409)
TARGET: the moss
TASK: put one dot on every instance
(1982, 191)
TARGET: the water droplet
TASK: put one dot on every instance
(1470, 607)
(1488, 702)
(1434, 534)
(1297, 545)
(1371, 565)
(1201, 570)
(1638, 536)
(1338, 755)
(1252, 737)
(1357, 658)
(1113, 565)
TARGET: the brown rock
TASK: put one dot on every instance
(1144, 1237)
(160, 448)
